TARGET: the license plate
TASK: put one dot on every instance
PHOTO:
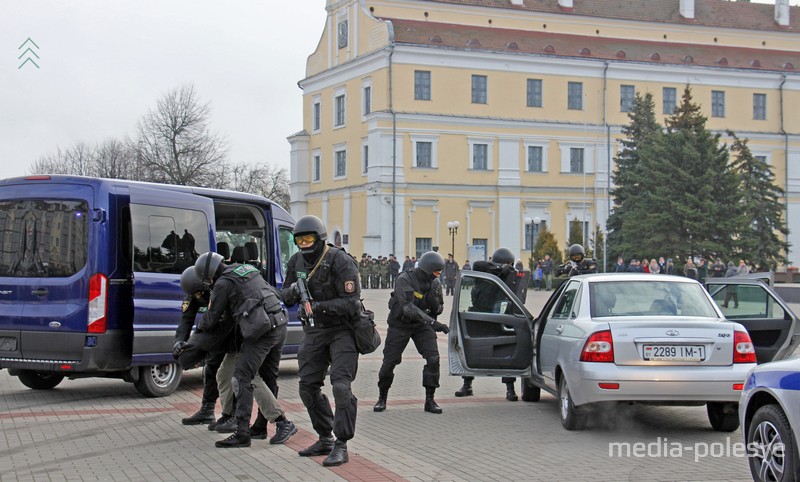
(8, 344)
(675, 352)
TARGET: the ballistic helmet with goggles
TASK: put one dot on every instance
(430, 262)
(503, 256)
(209, 266)
(309, 224)
(190, 283)
(576, 253)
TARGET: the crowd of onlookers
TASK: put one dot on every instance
(699, 271)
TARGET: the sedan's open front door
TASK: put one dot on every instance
(771, 323)
(490, 329)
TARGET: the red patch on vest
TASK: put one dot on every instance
(349, 286)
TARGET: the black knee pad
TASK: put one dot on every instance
(342, 393)
(433, 361)
(311, 399)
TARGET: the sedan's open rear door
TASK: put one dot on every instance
(490, 329)
(753, 303)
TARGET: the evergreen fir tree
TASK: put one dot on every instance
(758, 238)
(547, 244)
(641, 139)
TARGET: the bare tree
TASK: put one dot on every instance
(263, 179)
(175, 145)
(117, 159)
(77, 160)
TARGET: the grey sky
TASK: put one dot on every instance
(103, 63)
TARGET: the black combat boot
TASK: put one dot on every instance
(202, 416)
(240, 438)
(511, 394)
(323, 446)
(430, 403)
(223, 419)
(226, 425)
(338, 455)
(466, 389)
(381, 405)
(259, 428)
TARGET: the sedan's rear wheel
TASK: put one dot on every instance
(770, 446)
(571, 417)
(724, 417)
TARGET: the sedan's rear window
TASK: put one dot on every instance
(649, 298)
(43, 238)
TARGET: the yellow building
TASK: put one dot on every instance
(421, 113)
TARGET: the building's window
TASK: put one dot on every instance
(480, 157)
(342, 34)
(479, 89)
(535, 159)
(532, 233)
(340, 163)
(576, 225)
(339, 105)
(424, 154)
(534, 93)
(316, 116)
(576, 160)
(760, 106)
(717, 103)
(575, 95)
(481, 242)
(367, 99)
(423, 245)
(626, 95)
(365, 158)
(316, 168)
(422, 85)
(670, 100)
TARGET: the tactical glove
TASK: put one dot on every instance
(177, 349)
(440, 327)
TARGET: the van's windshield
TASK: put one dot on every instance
(43, 238)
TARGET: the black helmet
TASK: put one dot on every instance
(431, 261)
(311, 224)
(208, 266)
(576, 253)
(190, 283)
(503, 256)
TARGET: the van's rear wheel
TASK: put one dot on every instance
(158, 380)
(40, 380)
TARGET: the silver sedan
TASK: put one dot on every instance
(607, 338)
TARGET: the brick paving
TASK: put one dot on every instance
(101, 429)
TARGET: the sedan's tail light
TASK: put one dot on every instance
(743, 350)
(599, 348)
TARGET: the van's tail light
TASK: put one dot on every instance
(98, 303)
(599, 348)
(743, 350)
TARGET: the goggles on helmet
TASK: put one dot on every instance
(305, 239)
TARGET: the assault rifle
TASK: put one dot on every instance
(305, 300)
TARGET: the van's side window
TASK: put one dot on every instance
(167, 240)
(287, 246)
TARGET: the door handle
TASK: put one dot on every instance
(559, 329)
(39, 292)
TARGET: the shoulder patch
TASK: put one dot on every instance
(244, 269)
(349, 286)
(185, 305)
(418, 295)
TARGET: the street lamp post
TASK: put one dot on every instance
(532, 222)
(452, 227)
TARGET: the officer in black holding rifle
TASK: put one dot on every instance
(414, 305)
(332, 279)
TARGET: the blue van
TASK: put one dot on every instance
(90, 269)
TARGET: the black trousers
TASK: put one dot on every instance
(210, 389)
(397, 338)
(248, 365)
(503, 380)
(334, 348)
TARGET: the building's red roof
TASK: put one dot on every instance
(711, 13)
(463, 37)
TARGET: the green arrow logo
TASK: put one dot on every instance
(28, 53)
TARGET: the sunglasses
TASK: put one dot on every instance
(305, 239)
